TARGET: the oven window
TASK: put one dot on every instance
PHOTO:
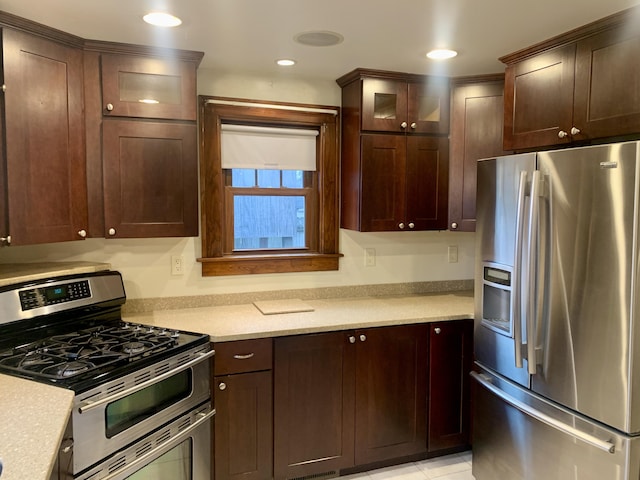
(138, 406)
(173, 465)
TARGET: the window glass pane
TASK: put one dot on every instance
(269, 178)
(292, 178)
(268, 222)
(243, 177)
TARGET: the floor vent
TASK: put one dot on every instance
(317, 476)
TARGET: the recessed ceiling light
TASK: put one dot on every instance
(441, 54)
(160, 19)
(319, 38)
(286, 62)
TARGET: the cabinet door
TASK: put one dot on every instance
(45, 163)
(476, 132)
(384, 105)
(391, 381)
(382, 197)
(146, 87)
(313, 404)
(607, 99)
(427, 183)
(244, 426)
(428, 106)
(538, 99)
(150, 179)
(450, 357)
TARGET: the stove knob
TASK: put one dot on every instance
(175, 334)
(163, 332)
(151, 330)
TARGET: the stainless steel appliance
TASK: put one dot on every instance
(142, 406)
(557, 391)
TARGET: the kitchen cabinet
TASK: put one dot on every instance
(44, 188)
(395, 153)
(243, 444)
(450, 362)
(141, 141)
(477, 116)
(574, 88)
(345, 399)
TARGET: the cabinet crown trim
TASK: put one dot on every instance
(361, 73)
(574, 35)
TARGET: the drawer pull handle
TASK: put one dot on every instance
(244, 357)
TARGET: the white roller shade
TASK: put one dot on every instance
(270, 148)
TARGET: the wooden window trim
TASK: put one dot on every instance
(325, 255)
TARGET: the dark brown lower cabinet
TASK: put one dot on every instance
(349, 398)
(243, 426)
(391, 393)
(313, 404)
(450, 361)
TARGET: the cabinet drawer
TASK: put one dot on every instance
(243, 356)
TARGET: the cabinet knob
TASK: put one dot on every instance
(6, 239)
(82, 233)
(411, 224)
(401, 226)
(414, 125)
(562, 134)
(112, 231)
(437, 330)
(222, 386)
(454, 226)
(403, 125)
(109, 107)
(4, 87)
(363, 337)
(352, 339)
(575, 131)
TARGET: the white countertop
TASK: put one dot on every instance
(239, 322)
(33, 417)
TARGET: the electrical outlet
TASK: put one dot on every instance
(177, 265)
(369, 257)
(453, 254)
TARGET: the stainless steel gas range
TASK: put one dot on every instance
(142, 406)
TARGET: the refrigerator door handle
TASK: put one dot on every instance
(604, 445)
(534, 214)
(517, 271)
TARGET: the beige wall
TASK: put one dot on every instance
(145, 263)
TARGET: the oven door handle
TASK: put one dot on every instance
(86, 406)
(166, 446)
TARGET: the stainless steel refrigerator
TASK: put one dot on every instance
(557, 315)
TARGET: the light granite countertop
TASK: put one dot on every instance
(240, 322)
(34, 415)
(11, 273)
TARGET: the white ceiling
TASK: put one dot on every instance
(247, 36)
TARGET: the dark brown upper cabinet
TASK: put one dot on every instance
(142, 153)
(134, 86)
(477, 115)
(576, 87)
(395, 152)
(44, 190)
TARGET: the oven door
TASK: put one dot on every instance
(180, 450)
(116, 414)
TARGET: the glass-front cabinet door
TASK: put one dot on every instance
(148, 87)
(384, 105)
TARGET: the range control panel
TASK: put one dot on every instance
(54, 294)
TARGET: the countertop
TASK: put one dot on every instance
(33, 415)
(11, 273)
(239, 322)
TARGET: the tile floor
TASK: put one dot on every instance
(449, 467)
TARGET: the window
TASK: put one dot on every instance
(269, 179)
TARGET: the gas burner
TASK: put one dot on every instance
(133, 347)
(68, 369)
(35, 358)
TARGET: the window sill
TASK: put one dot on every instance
(252, 264)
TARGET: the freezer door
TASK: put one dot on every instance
(518, 436)
(586, 258)
(498, 319)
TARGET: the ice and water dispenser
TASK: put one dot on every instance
(496, 298)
